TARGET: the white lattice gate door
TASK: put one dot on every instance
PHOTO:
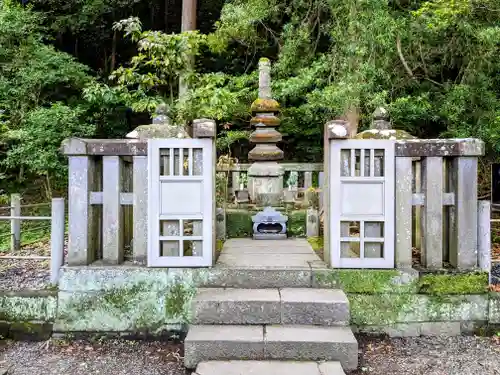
(362, 203)
(180, 202)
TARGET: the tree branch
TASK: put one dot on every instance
(401, 57)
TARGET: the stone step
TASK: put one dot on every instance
(304, 306)
(261, 277)
(296, 343)
(268, 368)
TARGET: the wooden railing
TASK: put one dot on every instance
(436, 203)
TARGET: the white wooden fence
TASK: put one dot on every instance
(57, 231)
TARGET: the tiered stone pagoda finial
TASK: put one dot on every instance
(265, 175)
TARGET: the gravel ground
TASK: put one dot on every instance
(462, 355)
(16, 274)
(115, 357)
(412, 356)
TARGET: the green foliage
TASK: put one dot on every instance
(162, 59)
(238, 223)
(432, 64)
(39, 139)
(42, 101)
(443, 284)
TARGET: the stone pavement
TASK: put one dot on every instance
(269, 254)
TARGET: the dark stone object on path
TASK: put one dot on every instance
(495, 273)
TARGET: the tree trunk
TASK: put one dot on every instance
(113, 51)
(188, 24)
(352, 117)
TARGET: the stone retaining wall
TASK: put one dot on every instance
(27, 314)
(138, 300)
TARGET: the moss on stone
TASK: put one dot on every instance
(384, 134)
(316, 242)
(271, 121)
(175, 301)
(445, 284)
(265, 106)
(379, 309)
(30, 331)
(363, 281)
(25, 308)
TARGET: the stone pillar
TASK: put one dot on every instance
(265, 175)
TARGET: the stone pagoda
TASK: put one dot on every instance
(265, 175)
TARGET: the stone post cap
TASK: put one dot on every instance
(380, 114)
(338, 129)
(204, 128)
(381, 119)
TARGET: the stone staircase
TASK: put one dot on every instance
(269, 328)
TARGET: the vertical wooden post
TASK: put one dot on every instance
(307, 180)
(463, 241)
(404, 189)
(235, 178)
(484, 235)
(81, 248)
(417, 238)
(327, 256)
(57, 228)
(140, 230)
(140, 186)
(432, 215)
(112, 218)
(15, 224)
(321, 182)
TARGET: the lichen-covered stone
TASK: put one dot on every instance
(494, 309)
(384, 134)
(439, 147)
(338, 129)
(387, 308)
(204, 128)
(269, 120)
(265, 136)
(264, 105)
(115, 299)
(26, 306)
(158, 131)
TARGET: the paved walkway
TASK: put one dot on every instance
(246, 253)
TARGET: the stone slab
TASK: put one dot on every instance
(204, 343)
(415, 329)
(268, 368)
(236, 306)
(259, 278)
(303, 306)
(314, 307)
(244, 246)
(310, 343)
(269, 236)
(276, 261)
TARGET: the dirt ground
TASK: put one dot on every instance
(412, 356)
